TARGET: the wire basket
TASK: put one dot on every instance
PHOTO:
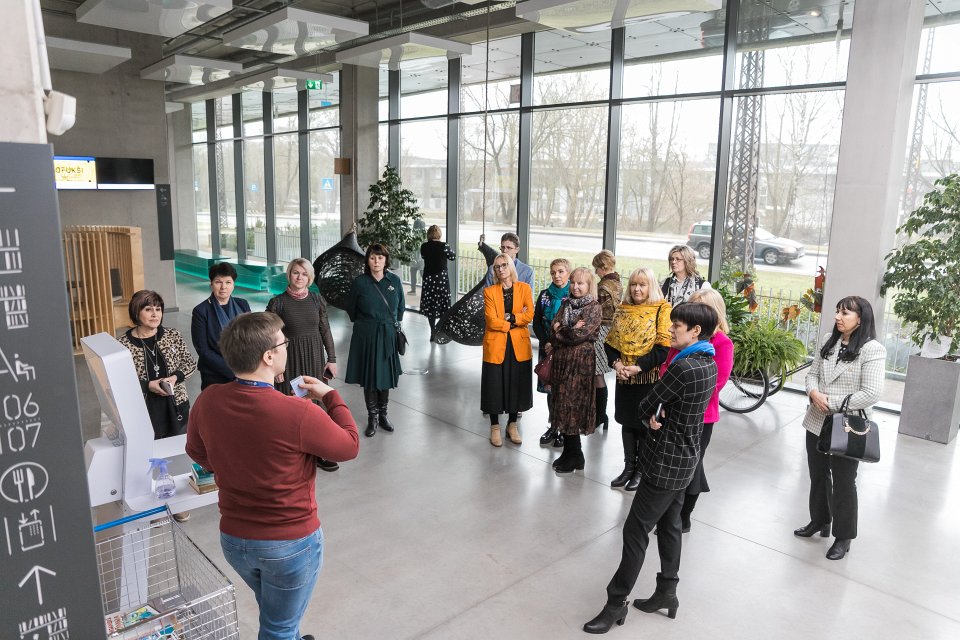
(160, 586)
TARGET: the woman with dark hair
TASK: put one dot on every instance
(435, 295)
(544, 310)
(507, 369)
(575, 329)
(210, 317)
(376, 307)
(850, 364)
(609, 293)
(311, 350)
(685, 278)
(162, 361)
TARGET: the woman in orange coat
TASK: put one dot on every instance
(506, 380)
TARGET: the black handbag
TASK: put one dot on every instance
(851, 435)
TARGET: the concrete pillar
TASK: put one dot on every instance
(359, 131)
(21, 94)
(180, 152)
(873, 142)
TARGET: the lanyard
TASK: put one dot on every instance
(253, 383)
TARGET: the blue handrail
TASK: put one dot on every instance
(136, 516)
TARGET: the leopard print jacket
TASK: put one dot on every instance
(175, 354)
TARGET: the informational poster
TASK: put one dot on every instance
(49, 575)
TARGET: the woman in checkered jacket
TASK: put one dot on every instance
(850, 364)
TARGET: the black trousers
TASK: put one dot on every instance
(833, 489)
(652, 506)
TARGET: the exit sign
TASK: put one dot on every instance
(314, 84)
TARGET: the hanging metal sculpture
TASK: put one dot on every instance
(464, 322)
(336, 269)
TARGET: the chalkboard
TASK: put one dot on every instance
(49, 578)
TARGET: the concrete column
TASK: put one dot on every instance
(873, 142)
(180, 152)
(21, 94)
(359, 132)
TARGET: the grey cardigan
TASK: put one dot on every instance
(863, 378)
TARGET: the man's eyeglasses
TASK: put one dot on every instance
(504, 248)
(282, 344)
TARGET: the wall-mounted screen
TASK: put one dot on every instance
(124, 173)
(75, 172)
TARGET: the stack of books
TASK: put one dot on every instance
(202, 480)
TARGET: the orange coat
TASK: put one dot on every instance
(495, 334)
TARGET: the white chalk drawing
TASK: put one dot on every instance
(19, 370)
(49, 626)
(14, 299)
(23, 482)
(35, 572)
(11, 261)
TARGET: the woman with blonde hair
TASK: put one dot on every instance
(609, 292)
(685, 278)
(575, 329)
(310, 350)
(723, 358)
(636, 346)
(507, 369)
(435, 295)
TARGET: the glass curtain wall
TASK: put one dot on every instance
(255, 205)
(201, 178)
(324, 122)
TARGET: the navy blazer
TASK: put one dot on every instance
(205, 332)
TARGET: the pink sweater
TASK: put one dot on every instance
(724, 361)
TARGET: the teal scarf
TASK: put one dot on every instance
(557, 294)
(701, 346)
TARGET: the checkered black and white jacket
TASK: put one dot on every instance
(669, 455)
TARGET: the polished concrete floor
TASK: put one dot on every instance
(433, 533)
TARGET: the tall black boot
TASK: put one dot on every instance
(634, 483)
(383, 397)
(629, 458)
(601, 397)
(370, 398)
(689, 502)
(615, 612)
(574, 461)
(665, 597)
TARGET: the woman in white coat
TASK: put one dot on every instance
(850, 363)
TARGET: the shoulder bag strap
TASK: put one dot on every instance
(376, 285)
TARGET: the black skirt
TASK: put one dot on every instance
(626, 402)
(699, 483)
(506, 387)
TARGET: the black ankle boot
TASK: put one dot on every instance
(373, 413)
(383, 397)
(574, 461)
(562, 458)
(548, 435)
(629, 468)
(612, 613)
(838, 549)
(811, 528)
(634, 483)
(601, 399)
(664, 597)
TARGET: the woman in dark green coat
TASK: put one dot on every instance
(376, 306)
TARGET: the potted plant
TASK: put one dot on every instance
(391, 218)
(759, 345)
(923, 275)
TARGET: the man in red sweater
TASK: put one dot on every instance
(262, 445)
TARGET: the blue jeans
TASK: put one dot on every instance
(282, 574)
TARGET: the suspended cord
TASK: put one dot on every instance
(486, 126)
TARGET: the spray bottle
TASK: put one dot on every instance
(165, 487)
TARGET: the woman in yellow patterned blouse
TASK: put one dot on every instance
(636, 346)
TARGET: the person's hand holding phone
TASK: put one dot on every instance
(330, 371)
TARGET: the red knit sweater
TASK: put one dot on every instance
(260, 444)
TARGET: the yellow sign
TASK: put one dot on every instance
(75, 172)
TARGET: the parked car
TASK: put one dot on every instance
(767, 247)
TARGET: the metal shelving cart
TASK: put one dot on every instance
(160, 585)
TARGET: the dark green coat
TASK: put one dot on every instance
(373, 362)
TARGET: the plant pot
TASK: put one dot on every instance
(931, 400)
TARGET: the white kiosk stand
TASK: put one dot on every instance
(118, 462)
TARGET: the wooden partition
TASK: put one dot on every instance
(104, 266)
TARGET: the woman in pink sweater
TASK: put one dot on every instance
(724, 361)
